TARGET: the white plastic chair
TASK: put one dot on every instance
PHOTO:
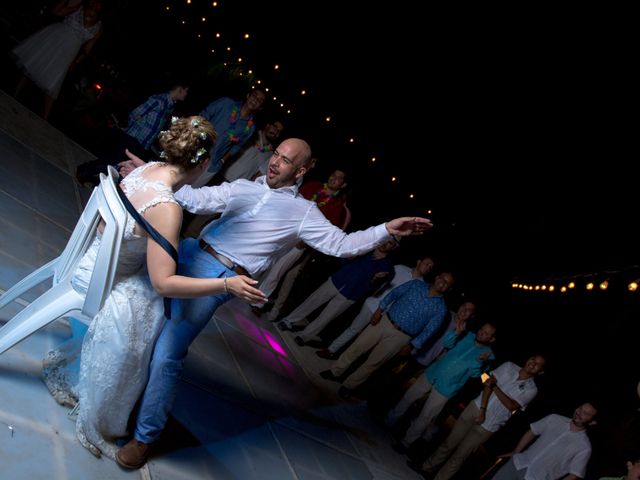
(61, 299)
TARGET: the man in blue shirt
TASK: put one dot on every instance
(467, 357)
(351, 283)
(407, 317)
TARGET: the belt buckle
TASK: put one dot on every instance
(240, 270)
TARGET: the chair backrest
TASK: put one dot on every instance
(104, 206)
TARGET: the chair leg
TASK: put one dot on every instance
(28, 282)
(53, 304)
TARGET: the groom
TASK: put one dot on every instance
(260, 222)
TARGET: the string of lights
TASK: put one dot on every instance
(233, 52)
(627, 278)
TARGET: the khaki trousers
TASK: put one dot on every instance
(384, 340)
(463, 440)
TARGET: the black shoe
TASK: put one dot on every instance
(417, 467)
(299, 340)
(297, 328)
(282, 325)
(326, 354)
(345, 393)
(328, 375)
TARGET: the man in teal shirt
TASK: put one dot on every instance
(466, 357)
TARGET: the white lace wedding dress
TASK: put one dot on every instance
(117, 347)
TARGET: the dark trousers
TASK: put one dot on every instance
(111, 153)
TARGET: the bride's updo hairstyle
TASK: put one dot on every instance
(187, 142)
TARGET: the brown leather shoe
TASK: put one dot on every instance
(133, 455)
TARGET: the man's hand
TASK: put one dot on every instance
(461, 326)
(405, 351)
(379, 275)
(127, 166)
(404, 226)
(484, 356)
(376, 317)
(244, 288)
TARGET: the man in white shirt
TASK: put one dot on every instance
(259, 222)
(562, 448)
(509, 388)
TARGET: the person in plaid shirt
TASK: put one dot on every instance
(145, 123)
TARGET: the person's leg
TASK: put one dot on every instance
(272, 277)
(48, 106)
(334, 308)
(510, 472)
(322, 295)
(391, 342)
(431, 409)
(369, 337)
(188, 318)
(22, 84)
(476, 437)
(357, 325)
(419, 389)
(112, 153)
(287, 285)
(461, 429)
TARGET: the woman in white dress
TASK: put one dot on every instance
(117, 347)
(47, 55)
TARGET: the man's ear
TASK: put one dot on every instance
(301, 171)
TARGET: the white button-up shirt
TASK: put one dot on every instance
(522, 391)
(259, 224)
(557, 452)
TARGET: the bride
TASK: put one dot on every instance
(117, 347)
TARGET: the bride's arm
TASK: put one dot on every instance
(166, 218)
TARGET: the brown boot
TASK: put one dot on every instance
(133, 455)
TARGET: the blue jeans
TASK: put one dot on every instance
(188, 318)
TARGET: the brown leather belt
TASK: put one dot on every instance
(396, 326)
(222, 259)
